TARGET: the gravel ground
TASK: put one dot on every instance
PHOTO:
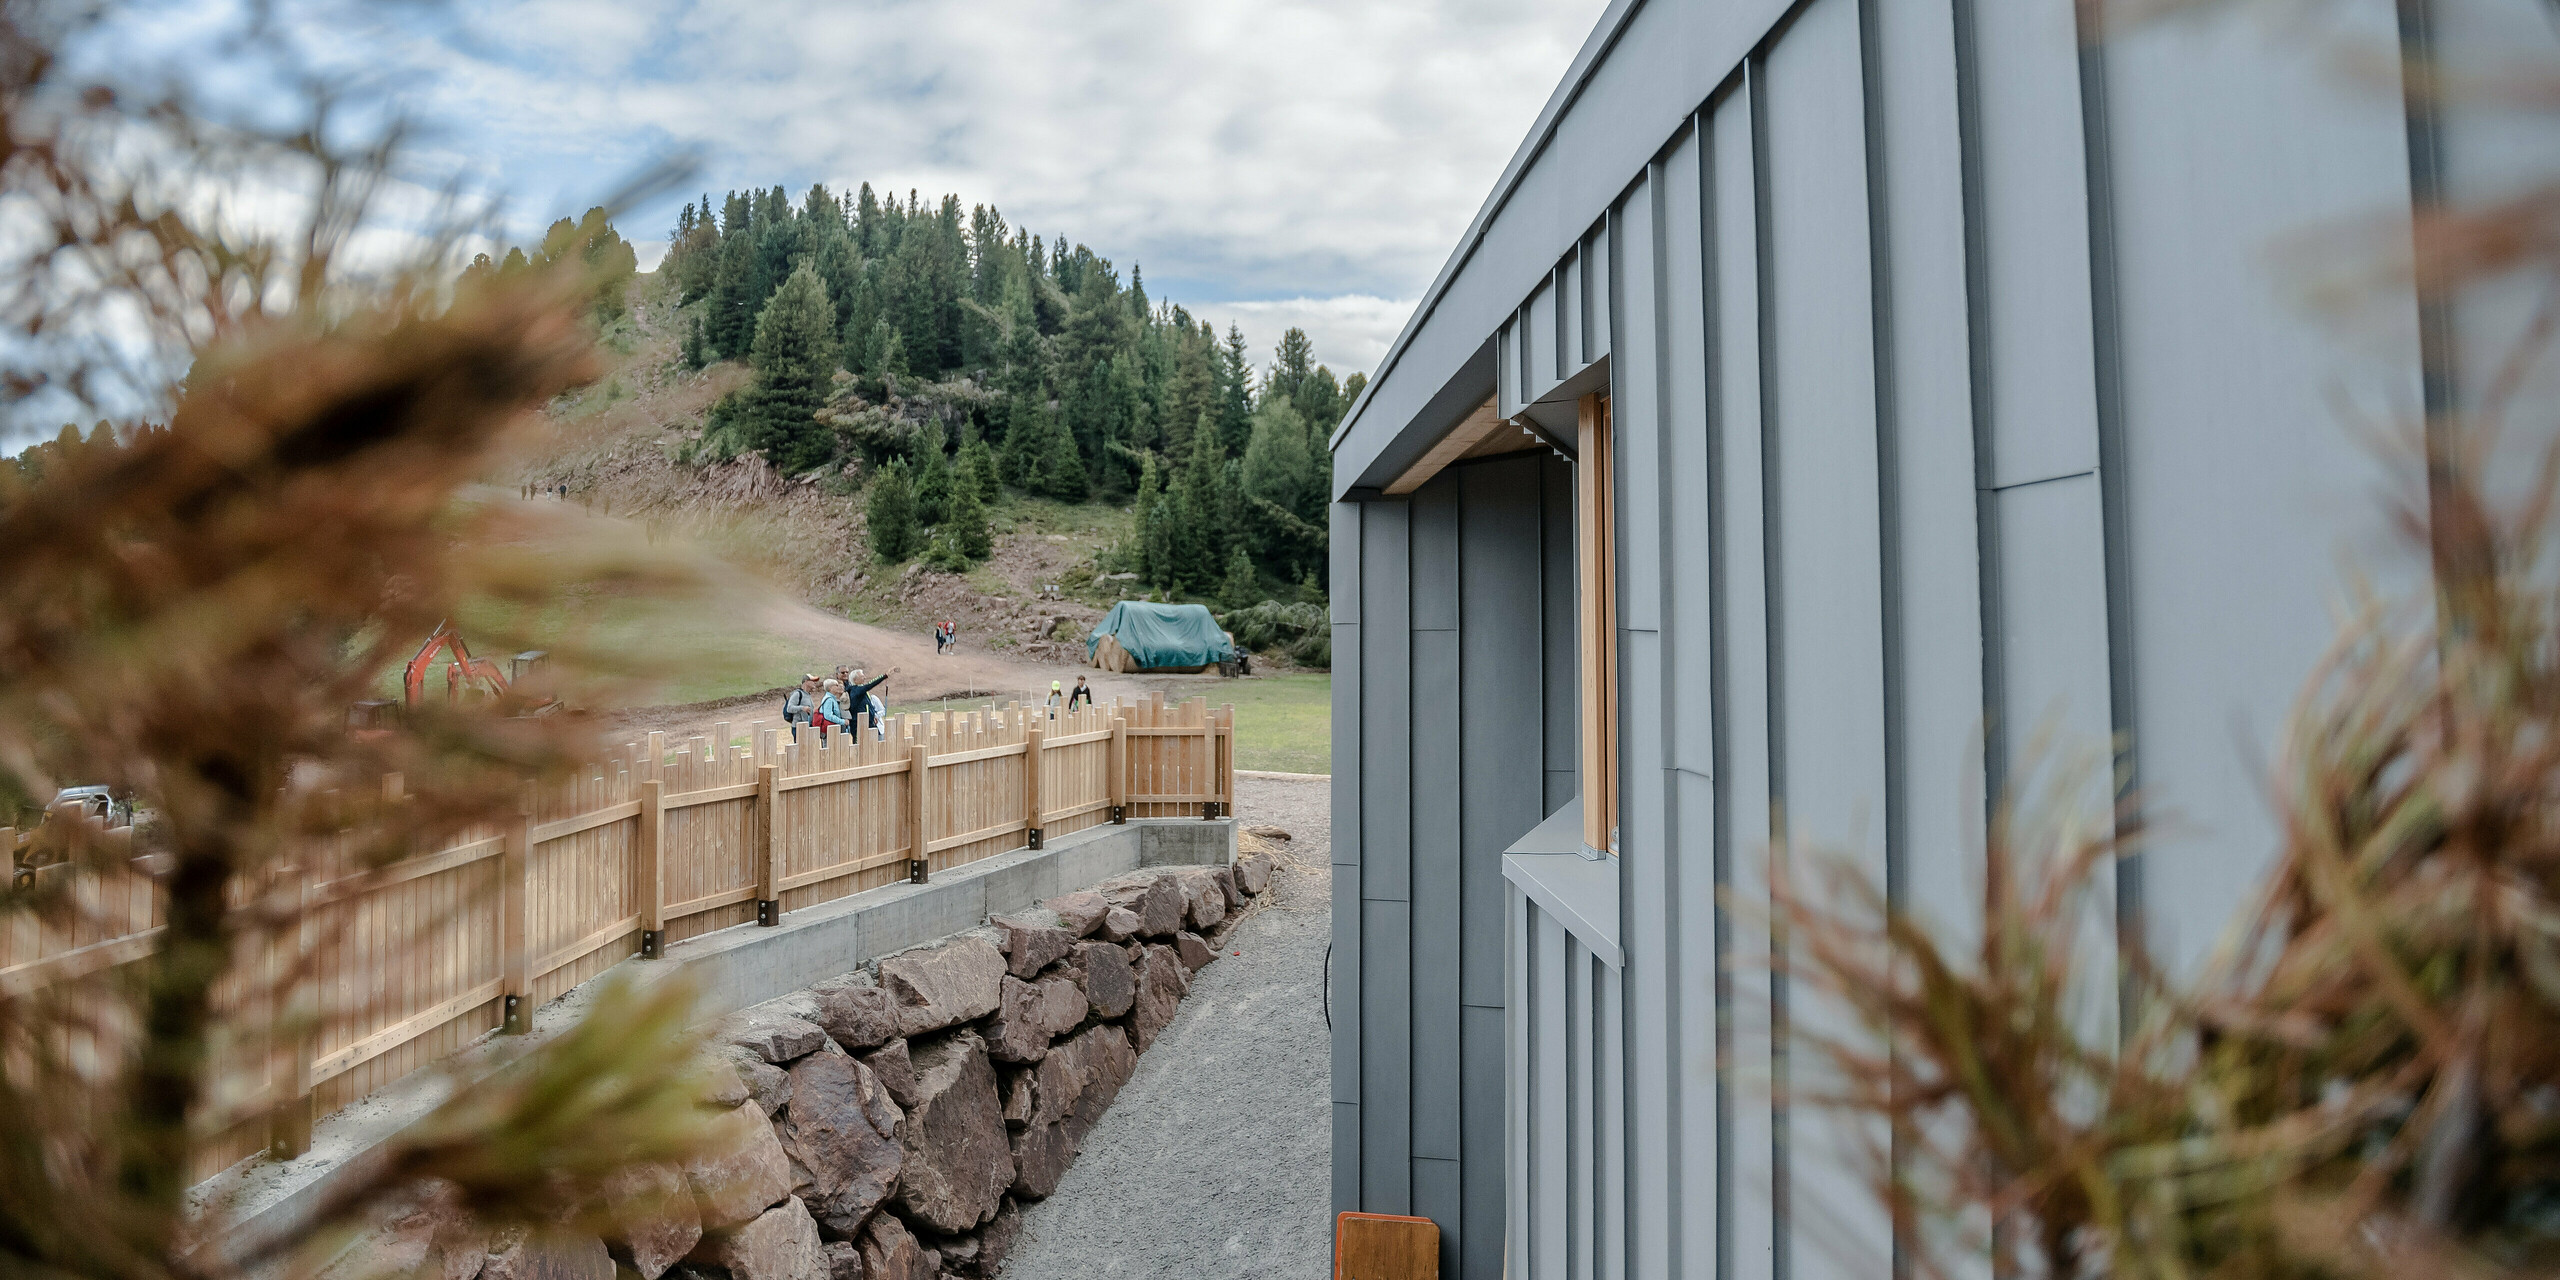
(1214, 1160)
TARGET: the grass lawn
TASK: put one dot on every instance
(1283, 723)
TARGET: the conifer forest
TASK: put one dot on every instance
(938, 358)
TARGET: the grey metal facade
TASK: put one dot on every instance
(1964, 427)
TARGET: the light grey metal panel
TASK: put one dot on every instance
(1746, 1227)
(2054, 678)
(1386, 703)
(1681, 482)
(1940, 668)
(1479, 1254)
(1438, 898)
(2054, 633)
(1556, 618)
(1582, 1102)
(1597, 305)
(1697, 1193)
(1647, 930)
(2034, 182)
(1573, 312)
(1435, 555)
(1635, 407)
(1346, 1157)
(2244, 491)
(1829, 559)
(1545, 360)
(1386, 1057)
(1609, 1033)
(1552, 1146)
(1508, 378)
(1439, 1194)
(1344, 993)
(1342, 548)
(1500, 665)
(1523, 1061)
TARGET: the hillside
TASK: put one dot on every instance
(631, 445)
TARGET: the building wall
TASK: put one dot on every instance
(1965, 431)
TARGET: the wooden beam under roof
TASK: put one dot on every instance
(1482, 434)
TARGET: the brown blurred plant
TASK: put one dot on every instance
(187, 613)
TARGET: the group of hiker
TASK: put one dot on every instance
(946, 637)
(830, 706)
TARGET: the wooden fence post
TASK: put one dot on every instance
(655, 769)
(653, 870)
(917, 828)
(516, 923)
(768, 849)
(1116, 766)
(1031, 783)
(289, 1128)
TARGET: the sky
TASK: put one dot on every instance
(1268, 162)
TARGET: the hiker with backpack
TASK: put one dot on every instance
(800, 705)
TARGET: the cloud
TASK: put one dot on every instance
(1309, 157)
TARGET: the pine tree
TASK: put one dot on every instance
(1243, 588)
(891, 512)
(966, 525)
(978, 464)
(794, 357)
(932, 476)
(736, 297)
(1059, 472)
(1155, 554)
(697, 350)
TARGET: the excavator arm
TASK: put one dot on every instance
(461, 670)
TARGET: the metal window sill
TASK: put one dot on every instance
(1549, 865)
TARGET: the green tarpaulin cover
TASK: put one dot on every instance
(1163, 635)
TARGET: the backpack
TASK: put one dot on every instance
(795, 705)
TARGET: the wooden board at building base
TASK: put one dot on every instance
(1383, 1246)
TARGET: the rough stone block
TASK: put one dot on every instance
(1079, 913)
(957, 1161)
(1204, 903)
(721, 1086)
(1033, 941)
(772, 1035)
(890, 1253)
(1013, 1085)
(741, 1170)
(767, 1085)
(896, 1070)
(1253, 873)
(1193, 950)
(943, 986)
(781, 1244)
(652, 1218)
(981, 1253)
(842, 1137)
(1155, 897)
(858, 1015)
(844, 1259)
(1162, 982)
(1119, 925)
(547, 1255)
(1041, 1154)
(1103, 973)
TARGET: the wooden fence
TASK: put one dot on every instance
(662, 842)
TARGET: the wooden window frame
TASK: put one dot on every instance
(1595, 547)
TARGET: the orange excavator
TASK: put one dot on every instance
(462, 674)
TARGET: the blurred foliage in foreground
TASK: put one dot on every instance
(189, 608)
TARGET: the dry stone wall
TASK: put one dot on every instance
(890, 1123)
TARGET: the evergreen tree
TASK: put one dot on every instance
(1242, 588)
(966, 525)
(932, 476)
(697, 350)
(794, 357)
(1154, 527)
(1059, 470)
(978, 465)
(736, 297)
(891, 513)
(1235, 392)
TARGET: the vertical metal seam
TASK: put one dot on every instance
(1773, 587)
(2114, 483)
(1719, 675)
(1665, 680)
(1986, 499)
(1888, 512)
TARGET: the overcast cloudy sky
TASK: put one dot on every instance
(1271, 162)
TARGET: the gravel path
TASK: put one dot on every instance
(1214, 1160)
